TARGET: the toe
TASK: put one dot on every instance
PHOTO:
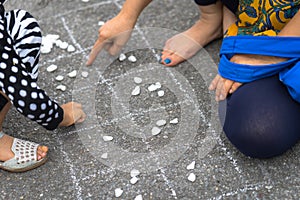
(172, 60)
(42, 152)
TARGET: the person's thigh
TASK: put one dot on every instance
(262, 120)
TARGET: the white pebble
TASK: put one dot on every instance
(160, 93)
(118, 192)
(85, 0)
(122, 57)
(154, 86)
(58, 43)
(192, 177)
(101, 23)
(137, 80)
(45, 49)
(84, 74)
(191, 166)
(158, 85)
(134, 173)
(71, 48)
(107, 138)
(161, 122)
(134, 180)
(138, 197)
(51, 68)
(61, 87)
(174, 121)
(132, 59)
(72, 74)
(63, 45)
(52, 37)
(136, 91)
(104, 156)
(59, 78)
(155, 130)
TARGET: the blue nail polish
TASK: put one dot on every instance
(167, 61)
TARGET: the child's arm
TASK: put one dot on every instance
(292, 28)
(115, 33)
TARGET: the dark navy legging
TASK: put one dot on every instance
(230, 4)
(261, 118)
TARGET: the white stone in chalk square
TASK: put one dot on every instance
(136, 91)
(132, 59)
(52, 36)
(101, 23)
(61, 87)
(71, 48)
(152, 87)
(84, 74)
(134, 180)
(134, 173)
(45, 50)
(174, 121)
(191, 166)
(137, 80)
(104, 156)
(118, 192)
(138, 197)
(64, 45)
(155, 130)
(122, 57)
(52, 68)
(192, 177)
(85, 0)
(161, 122)
(161, 93)
(59, 78)
(158, 85)
(72, 74)
(107, 138)
(58, 43)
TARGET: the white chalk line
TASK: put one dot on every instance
(168, 183)
(75, 180)
(128, 117)
(244, 189)
(71, 167)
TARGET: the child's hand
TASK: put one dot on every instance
(73, 114)
(113, 35)
(223, 86)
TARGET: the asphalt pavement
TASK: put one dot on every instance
(122, 150)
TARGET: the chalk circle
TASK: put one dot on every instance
(110, 84)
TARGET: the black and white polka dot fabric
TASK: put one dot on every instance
(20, 41)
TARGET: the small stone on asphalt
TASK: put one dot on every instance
(137, 80)
(52, 68)
(155, 130)
(107, 138)
(191, 166)
(118, 192)
(136, 91)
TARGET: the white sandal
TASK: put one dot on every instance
(25, 156)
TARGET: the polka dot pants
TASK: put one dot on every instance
(20, 40)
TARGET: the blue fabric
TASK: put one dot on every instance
(261, 119)
(287, 47)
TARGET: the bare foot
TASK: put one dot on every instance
(6, 153)
(185, 45)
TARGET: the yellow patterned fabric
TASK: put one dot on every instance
(263, 17)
